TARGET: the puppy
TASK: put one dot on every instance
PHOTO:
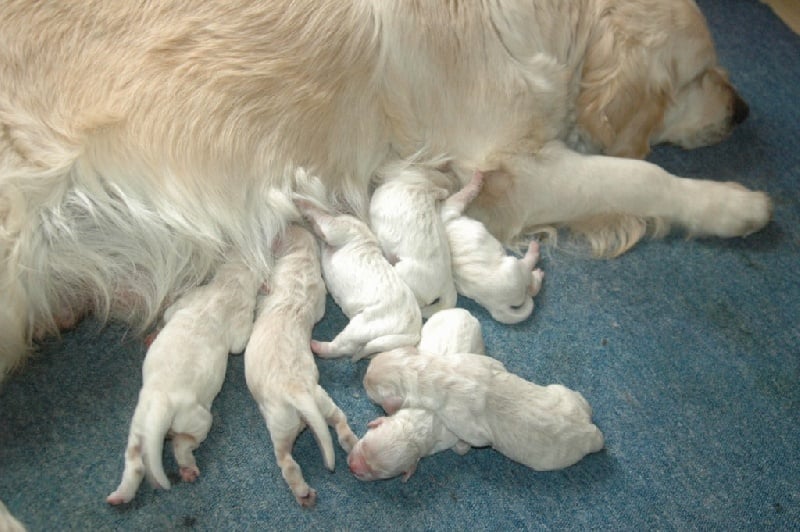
(279, 367)
(452, 330)
(404, 214)
(382, 308)
(542, 427)
(393, 445)
(182, 373)
(482, 270)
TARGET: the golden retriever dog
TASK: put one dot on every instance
(139, 141)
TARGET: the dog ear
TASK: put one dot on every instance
(624, 92)
(392, 404)
(376, 422)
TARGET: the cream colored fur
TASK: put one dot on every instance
(138, 141)
(279, 367)
(182, 374)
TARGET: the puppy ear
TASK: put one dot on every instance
(392, 404)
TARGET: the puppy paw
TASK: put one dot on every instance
(189, 473)
(308, 499)
(537, 276)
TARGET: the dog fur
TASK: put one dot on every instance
(482, 269)
(382, 309)
(453, 330)
(404, 215)
(542, 427)
(280, 369)
(182, 373)
(139, 142)
(393, 445)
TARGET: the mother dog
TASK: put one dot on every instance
(142, 142)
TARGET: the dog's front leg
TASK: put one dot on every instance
(560, 186)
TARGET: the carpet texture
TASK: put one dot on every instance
(688, 351)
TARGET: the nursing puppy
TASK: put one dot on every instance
(394, 445)
(279, 367)
(182, 373)
(404, 214)
(382, 308)
(542, 427)
(482, 269)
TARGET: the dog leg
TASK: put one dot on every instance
(132, 475)
(183, 446)
(594, 185)
(283, 442)
(336, 419)
(455, 205)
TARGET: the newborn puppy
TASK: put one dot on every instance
(182, 373)
(482, 270)
(452, 330)
(393, 445)
(404, 214)
(382, 309)
(279, 367)
(542, 427)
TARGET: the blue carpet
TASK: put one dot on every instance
(688, 351)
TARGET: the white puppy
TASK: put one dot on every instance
(404, 214)
(542, 427)
(382, 309)
(452, 330)
(279, 367)
(182, 373)
(482, 269)
(393, 445)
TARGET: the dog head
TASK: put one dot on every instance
(388, 379)
(651, 76)
(387, 450)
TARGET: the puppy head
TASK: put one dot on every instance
(651, 76)
(387, 380)
(386, 451)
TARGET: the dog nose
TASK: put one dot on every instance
(740, 111)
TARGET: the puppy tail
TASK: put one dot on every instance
(157, 418)
(316, 421)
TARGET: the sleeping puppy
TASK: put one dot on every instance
(404, 214)
(482, 270)
(382, 309)
(182, 373)
(393, 445)
(542, 427)
(279, 367)
(452, 330)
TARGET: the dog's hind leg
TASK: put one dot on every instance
(284, 425)
(336, 419)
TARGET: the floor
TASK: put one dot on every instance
(788, 10)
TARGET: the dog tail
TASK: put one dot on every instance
(154, 421)
(310, 412)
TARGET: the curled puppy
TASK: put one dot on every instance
(393, 445)
(182, 373)
(542, 427)
(452, 330)
(382, 309)
(404, 214)
(280, 369)
(482, 270)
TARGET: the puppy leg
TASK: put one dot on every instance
(529, 260)
(348, 342)
(387, 343)
(336, 419)
(455, 205)
(132, 475)
(183, 446)
(284, 425)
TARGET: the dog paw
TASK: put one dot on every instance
(189, 473)
(731, 210)
(308, 499)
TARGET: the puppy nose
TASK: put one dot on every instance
(740, 111)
